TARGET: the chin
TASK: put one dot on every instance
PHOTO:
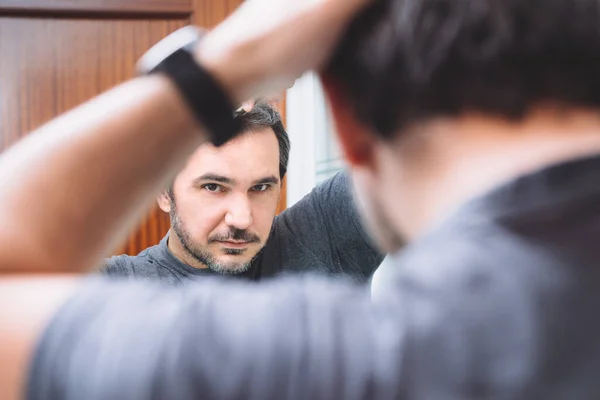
(228, 267)
(233, 261)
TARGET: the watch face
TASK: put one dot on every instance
(179, 39)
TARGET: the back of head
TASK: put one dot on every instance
(405, 61)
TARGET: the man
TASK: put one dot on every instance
(466, 131)
(222, 208)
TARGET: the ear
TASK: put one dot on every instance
(164, 201)
(355, 139)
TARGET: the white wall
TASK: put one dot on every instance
(314, 154)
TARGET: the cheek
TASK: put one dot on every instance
(360, 187)
(263, 213)
(367, 205)
(362, 202)
(201, 216)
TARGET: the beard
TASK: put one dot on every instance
(203, 256)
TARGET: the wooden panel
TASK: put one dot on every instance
(208, 13)
(163, 7)
(41, 78)
(153, 228)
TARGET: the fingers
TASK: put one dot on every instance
(248, 105)
(274, 101)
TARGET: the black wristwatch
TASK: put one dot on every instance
(209, 102)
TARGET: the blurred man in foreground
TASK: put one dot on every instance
(467, 132)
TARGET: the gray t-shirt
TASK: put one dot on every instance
(499, 301)
(322, 233)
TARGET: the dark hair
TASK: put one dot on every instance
(263, 116)
(404, 61)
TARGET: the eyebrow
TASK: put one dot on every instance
(214, 178)
(228, 181)
(268, 179)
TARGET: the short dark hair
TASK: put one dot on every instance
(263, 116)
(404, 61)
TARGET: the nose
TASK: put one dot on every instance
(239, 213)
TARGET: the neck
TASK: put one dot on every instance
(445, 163)
(176, 248)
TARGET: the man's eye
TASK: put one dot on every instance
(212, 187)
(260, 188)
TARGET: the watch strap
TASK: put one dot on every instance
(206, 97)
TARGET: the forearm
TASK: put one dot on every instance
(95, 168)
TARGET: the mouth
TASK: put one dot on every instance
(234, 244)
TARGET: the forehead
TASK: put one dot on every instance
(250, 156)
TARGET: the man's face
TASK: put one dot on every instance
(225, 199)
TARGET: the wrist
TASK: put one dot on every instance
(210, 88)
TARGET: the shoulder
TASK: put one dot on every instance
(126, 265)
(333, 190)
